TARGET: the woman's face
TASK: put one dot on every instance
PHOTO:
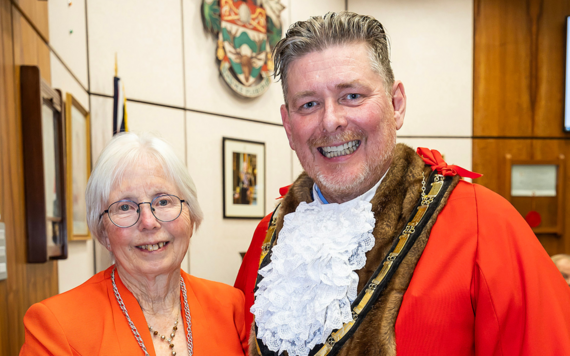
(142, 183)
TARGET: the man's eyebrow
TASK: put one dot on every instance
(303, 94)
(353, 84)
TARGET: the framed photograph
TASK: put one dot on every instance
(243, 178)
(43, 132)
(78, 159)
(535, 187)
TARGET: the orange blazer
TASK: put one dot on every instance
(87, 320)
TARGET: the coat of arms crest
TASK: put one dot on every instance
(247, 31)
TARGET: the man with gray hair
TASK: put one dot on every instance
(377, 250)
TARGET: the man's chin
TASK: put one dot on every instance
(338, 187)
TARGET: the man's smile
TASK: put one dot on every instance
(340, 150)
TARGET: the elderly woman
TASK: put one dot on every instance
(142, 206)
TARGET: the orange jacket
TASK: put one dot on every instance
(87, 320)
(484, 285)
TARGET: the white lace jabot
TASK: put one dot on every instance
(308, 286)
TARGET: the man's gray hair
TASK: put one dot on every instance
(335, 28)
(125, 151)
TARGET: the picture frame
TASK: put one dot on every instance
(550, 206)
(243, 178)
(78, 162)
(43, 133)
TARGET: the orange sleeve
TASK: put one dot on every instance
(44, 335)
(240, 323)
(520, 300)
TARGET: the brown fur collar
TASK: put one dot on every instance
(392, 205)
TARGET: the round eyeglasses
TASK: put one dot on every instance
(126, 213)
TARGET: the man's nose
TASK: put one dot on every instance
(333, 117)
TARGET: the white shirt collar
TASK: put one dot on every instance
(367, 196)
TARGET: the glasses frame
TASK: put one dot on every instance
(139, 209)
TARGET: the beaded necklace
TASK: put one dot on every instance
(163, 337)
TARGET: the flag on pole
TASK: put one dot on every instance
(120, 123)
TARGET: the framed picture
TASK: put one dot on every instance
(44, 167)
(78, 159)
(243, 178)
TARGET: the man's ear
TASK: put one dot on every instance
(287, 124)
(399, 103)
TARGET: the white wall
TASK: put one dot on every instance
(432, 54)
(79, 265)
(167, 61)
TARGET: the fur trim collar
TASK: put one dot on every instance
(392, 205)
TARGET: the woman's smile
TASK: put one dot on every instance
(153, 247)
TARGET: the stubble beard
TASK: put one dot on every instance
(344, 187)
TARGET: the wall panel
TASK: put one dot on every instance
(37, 12)
(29, 48)
(26, 283)
(147, 38)
(7, 115)
(68, 35)
(214, 249)
(519, 66)
(431, 46)
(62, 79)
(493, 168)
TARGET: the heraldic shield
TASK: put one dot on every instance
(247, 31)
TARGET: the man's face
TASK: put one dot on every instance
(340, 121)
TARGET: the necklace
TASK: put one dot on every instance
(163, 338)
(189, 341)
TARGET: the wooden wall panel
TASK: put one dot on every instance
(550, 71)
(7, 113)
(518, 94)
(493, 169)
(502, 34)
(519, 68)
(37, 12)
(29, 48)
(26, 283)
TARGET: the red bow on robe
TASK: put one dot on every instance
(434, 159)
(283, 191)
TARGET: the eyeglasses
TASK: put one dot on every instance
(126, 213)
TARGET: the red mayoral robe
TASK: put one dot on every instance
(483, 286)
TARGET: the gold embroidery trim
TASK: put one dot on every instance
(266, 246)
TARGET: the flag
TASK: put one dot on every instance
(119, 104)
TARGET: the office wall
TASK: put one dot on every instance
(518, 99)
(22, 42)
(167, 64)
(432, 54)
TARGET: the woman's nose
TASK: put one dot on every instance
(148, 220)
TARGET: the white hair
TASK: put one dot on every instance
(124, 151)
